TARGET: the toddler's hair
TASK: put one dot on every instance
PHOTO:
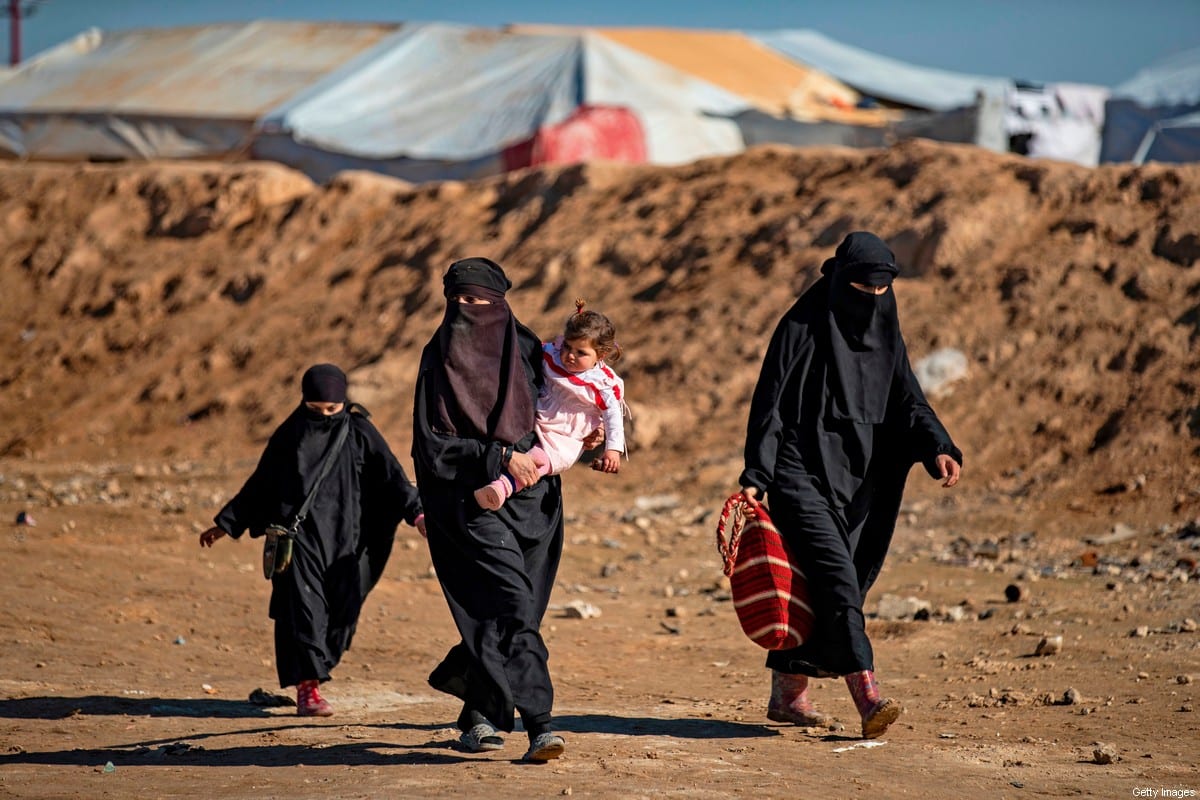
(596, 328)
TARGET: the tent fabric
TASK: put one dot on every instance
(1175, 140)
(168, 93)
(1153, 115)
(1172, 81)
(768, 80)
(444, 92)
(882, 77)
(1133, 132)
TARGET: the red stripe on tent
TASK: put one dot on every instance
(591, 133)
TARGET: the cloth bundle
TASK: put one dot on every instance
(770, 592)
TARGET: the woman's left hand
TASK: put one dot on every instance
(949, 470)
(522, 467)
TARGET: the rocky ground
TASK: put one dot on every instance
(1038, 622)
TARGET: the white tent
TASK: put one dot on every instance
(881, 77)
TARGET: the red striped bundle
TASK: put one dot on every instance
(770, 593)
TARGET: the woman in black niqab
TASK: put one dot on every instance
(836, 422)
(473, 417)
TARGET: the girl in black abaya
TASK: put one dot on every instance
(836, 422)
(342, 545)
(474, 418)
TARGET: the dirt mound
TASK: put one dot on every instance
(166, 310)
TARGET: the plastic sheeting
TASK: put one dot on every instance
(882, 77)
(167, 93)
(1153, 115)
(1173, 81)
(1132, 132)
(443, 92)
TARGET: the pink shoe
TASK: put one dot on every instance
(489, 497)
(309, 702)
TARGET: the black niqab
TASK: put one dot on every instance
(480, 387)
(864, 330)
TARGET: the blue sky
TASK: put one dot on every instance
(1090, 41)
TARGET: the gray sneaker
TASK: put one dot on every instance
(545, 747)
(482, 737)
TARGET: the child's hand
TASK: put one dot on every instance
(949, 469)
(211, 535)
(609, 462)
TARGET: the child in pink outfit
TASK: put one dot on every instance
(580, 394)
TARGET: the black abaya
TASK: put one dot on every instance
(836, 422)
(342, 546)
(496, 568)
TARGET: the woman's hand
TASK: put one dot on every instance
(522, 467)
(211, 535)
(419, 524)
(949, 469)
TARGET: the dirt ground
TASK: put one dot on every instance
(155, 319)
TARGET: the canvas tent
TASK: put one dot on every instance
(1155, 115)
(463, 102)
(880, 77)
(190, 92)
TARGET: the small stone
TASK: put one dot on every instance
(1183, 680)
(1049, 645)
(1140, 632)
(578, 609)
(677, 611)
(1071, 697)
(1188, 625)
(1104, 754)
(1012, 593)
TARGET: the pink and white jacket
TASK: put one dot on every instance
(573, 404)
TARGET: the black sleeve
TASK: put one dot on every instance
(384, 479)
(258, 499)
(927, 437)
(765, 426)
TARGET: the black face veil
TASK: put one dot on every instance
(481, 386)
(864, 330)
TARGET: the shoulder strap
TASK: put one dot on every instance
(326, 465)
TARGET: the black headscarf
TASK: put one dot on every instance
(864, 330)
(324, 383)
(313, 430)
(481, 388)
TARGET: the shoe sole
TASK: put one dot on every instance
(887, 713)
(482, 747)
(547, 753)
(814, 720)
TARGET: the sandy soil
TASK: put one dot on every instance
(155, 320)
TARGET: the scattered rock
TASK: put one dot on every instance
(1049, 645)
(579, 609)
(1105, 754)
